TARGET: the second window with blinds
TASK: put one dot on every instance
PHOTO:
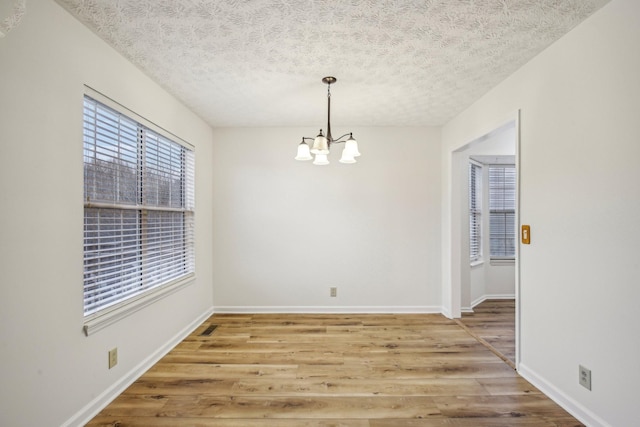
(499, 194)
(502, 212)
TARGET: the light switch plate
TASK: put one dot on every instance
(113, 357)
(526, 234)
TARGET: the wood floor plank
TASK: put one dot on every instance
(452, 370)
(321, 370)
(494, 406)
(106, 421)
(466, 422)
(360, 387)
(206, 406)
(507, 385)
(200, 370)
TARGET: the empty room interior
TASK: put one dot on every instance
(177, 216)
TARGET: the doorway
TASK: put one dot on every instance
(485, 279)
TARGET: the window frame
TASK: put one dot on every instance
(111, 313)
(475, 207)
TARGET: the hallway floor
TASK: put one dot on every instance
(494, 321)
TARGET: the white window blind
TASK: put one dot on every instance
(475, 212)
(502, 215)
(138, 208)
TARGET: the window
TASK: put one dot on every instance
(502, 215)
(138, 209)
(475, 211)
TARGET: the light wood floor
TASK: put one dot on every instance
(332, 370)
(494, 321)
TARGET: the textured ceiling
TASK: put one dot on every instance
(11, 12)
(398, 62)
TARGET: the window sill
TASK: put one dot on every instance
(503, 261)
(97, 321)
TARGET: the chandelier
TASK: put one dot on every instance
(322, 144)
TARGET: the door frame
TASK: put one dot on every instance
(456, 263)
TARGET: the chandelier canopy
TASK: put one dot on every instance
(322, 143)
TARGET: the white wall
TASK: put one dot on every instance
(579, 151)
(50, 371)
(477, 287)
(285, 231)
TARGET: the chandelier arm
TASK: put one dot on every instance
(338, 141)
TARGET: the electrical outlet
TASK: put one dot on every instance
(333, 292)
(585, 377)
(113, 357)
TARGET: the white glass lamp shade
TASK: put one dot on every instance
(321, 159)
(320, 145)
(347, 155)
(303, 152)
(352, 145)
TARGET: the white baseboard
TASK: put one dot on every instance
(446, 312)
(96, 405)
(582, 413)
(483, 298)
(328, 309)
